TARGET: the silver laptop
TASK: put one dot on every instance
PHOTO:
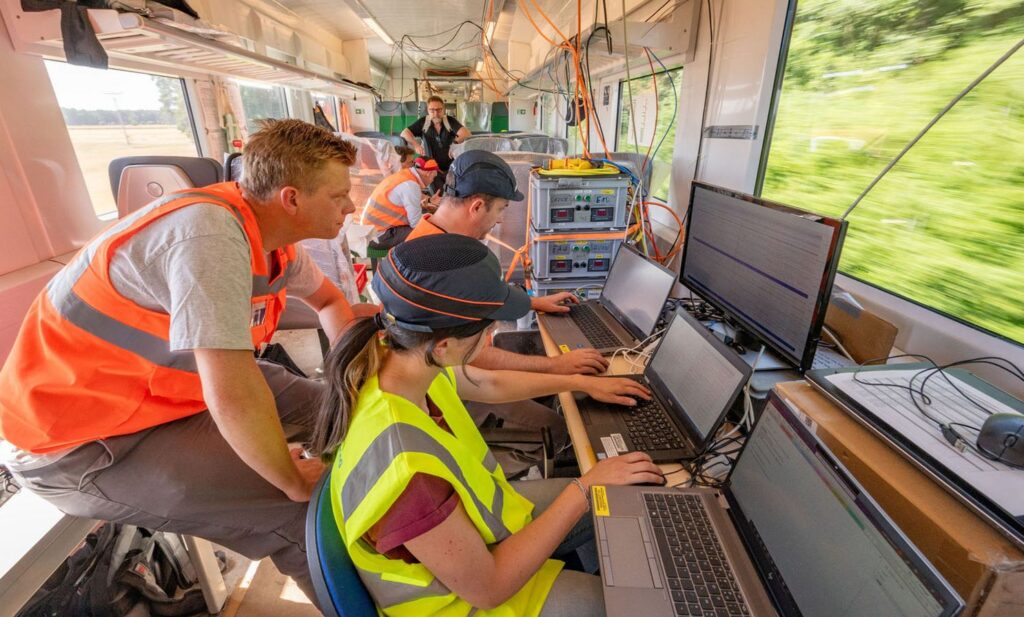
(624, 314)
(694, 379)
(792, 534)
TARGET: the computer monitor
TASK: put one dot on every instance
(636, 290)
(768, 266)
(824, 546)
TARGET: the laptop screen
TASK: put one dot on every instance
(836, 551)
(636, 290)
(697, 370)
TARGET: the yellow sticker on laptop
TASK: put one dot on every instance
(564, 348)
(600, 500)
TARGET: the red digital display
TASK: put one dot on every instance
(561, 215)
(561, 265)
(598, 265)
(601, 214)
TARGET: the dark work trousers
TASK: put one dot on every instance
(183, 477)
(528, 414)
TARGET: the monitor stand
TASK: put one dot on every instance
(770, 361)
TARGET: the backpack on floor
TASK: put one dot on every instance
(122, 571)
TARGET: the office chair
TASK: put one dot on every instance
(138, 180)
(339, 590)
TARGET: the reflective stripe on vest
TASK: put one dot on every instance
(90, 363)
(400, 439)
(388, 442)
(381, 211)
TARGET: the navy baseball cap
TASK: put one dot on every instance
(479, 171)
(443, 281)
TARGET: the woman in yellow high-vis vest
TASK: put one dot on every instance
(394, 424)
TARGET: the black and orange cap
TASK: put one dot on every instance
(443, 281)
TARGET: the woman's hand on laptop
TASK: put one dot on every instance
(555, 303)
(617, 390)
(586, 361)
(630, 468)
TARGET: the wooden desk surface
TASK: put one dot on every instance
(574, 422)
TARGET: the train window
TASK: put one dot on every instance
(943, 228)
(656, 105)
(550, 118)
(111, 113)
(260, 102)
(328, 104)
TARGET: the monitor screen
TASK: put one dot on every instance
(700, 372)
(768, 266)
(636, 290)
(836, 551)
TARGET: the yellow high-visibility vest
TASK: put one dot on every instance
(388, 441)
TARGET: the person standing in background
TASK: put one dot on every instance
(439, 131)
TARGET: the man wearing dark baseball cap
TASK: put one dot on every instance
(478, 188)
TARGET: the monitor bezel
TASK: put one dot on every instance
(940, 588)
(804, 361)
(675, 408)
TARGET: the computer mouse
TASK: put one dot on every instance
(1002, 435)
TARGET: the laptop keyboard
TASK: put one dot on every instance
(592, 327)
(699, 577)
(649, 427)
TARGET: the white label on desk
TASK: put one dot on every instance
(806, 419)
(609, 447)
(620, 443)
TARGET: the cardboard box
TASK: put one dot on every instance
(985, 568)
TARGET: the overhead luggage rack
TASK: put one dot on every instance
(169, 39)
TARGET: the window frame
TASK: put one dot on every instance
(186, 95)
(282, 96)
(622, 101)
(762, 170)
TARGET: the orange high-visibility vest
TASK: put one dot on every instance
(424, 228)
(88, 363)
(383, 213)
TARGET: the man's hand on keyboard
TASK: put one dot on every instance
(555, 303)
(579, 362)
(616, 390)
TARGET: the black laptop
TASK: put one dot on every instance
(793, 533)
(694, 380)
(626, 312)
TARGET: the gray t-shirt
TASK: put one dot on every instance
(194, 265)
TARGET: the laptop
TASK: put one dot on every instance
(793, 533)
(879, 398)
(694, 379)
(624, 314)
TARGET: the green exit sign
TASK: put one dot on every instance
(359, 111)
(521, 112)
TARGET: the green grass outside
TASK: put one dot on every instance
(945, 228)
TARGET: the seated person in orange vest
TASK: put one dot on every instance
(477, 190)
(406, 155)
(132, 393)
(398, 201)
